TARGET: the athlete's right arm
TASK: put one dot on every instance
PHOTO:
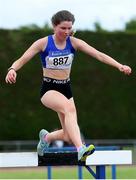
(36, 47)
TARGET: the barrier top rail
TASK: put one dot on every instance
(71, 148)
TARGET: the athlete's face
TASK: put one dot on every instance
(63, 29)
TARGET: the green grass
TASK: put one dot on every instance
(123, 172)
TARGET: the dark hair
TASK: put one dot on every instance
(63, 15)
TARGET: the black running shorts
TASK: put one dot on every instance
(62, 86)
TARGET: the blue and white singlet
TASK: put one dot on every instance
(54, 58)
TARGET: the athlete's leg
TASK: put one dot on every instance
(57, 135)
(59, 103)
(60, 134)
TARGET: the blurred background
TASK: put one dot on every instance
(105, 98)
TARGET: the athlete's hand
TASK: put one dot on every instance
(126, 69)
(11, 76)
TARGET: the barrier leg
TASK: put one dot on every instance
(91, 171)
(100, 172)
(80, 172)
(113, 171)
(49, 172)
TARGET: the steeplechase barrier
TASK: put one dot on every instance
(68, 156)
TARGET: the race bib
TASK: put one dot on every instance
(59, 60)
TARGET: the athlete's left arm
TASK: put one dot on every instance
(83, 46)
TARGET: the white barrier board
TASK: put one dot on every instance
(20, 159)
(110, 157)
(30, 159)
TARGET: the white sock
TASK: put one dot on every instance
(79, 148)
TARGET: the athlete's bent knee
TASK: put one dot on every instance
(69, 108)
(66, 138)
